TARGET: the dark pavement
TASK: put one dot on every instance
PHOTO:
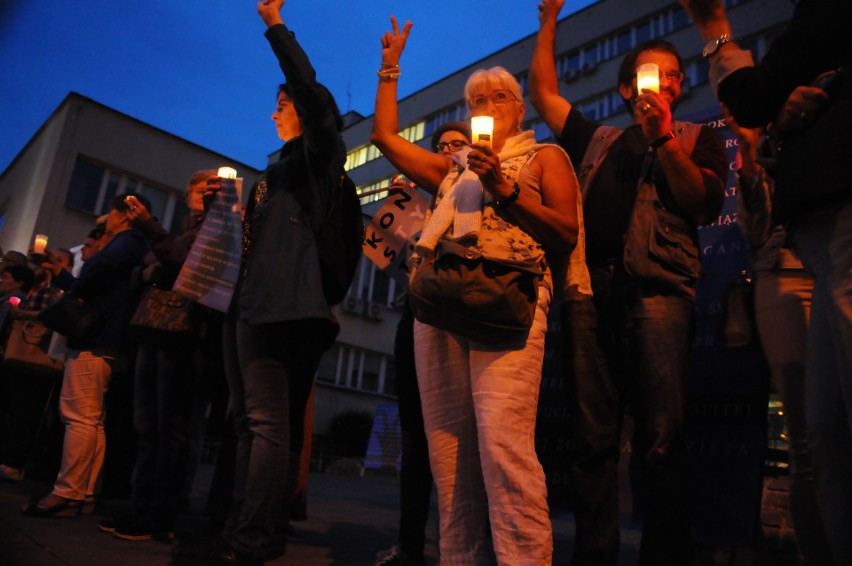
(351, 518)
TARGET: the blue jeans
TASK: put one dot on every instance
(823, 241)
(270, 370)
(635, 345)
(164, 386)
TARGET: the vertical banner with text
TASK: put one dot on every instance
(210, 272)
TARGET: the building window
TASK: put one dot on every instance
(358, 369)
(373, 285)
(93, 187)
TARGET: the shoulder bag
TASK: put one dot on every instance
(26, 350)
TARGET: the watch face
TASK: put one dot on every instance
(714, 44)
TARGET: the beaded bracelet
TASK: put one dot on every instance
(389, 73)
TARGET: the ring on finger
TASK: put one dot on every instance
(646, 107)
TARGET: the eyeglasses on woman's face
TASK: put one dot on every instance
(498, 98)
(454, 145)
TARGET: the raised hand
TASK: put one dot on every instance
(548, 9)
(393, 43)
(702, 11)
(270, 12)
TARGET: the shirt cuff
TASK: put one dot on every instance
(726, 62)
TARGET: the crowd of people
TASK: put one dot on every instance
(608, 219)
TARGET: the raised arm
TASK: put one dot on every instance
(544, 84)
(425, 168)
(314, 104)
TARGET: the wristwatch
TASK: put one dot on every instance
(714, 43)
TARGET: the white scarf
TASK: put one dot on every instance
(462, 202)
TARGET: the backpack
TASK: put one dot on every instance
(340, 238)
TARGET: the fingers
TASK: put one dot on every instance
(394, 25)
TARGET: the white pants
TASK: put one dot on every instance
(81, 405)
(479, 411)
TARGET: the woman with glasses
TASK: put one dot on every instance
(480, 397)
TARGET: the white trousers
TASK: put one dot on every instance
(479, 411)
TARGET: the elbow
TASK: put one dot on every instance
(378, 139)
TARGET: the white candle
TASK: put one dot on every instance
(40, 244)
(482, 129)
(648, 77)
(226, 173)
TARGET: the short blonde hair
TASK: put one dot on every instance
(199, 177)
(495, 78)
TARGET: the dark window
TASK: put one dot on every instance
(84, 187)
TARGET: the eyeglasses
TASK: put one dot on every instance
(499, 98)
(671, 76)
(454, 145)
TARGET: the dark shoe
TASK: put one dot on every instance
(141, 529)
(90, 505)
(396, 557)
(109, 524)
(66, 508)
(213, 552)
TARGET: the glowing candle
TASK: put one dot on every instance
(40, 244)
(226, 173)
(648, 77)
(482, 128)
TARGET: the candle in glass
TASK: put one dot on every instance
(648, 77)
(482, 129)
(226, 173)
(40, 244)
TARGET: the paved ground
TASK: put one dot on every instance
(351, 518)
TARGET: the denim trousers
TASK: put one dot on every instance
(270, 370)
(162, 400)
(81, 406)
(479, 410)
(630, 348)
(823, 241)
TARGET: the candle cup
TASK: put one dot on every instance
(226, 173)
(648, 77)
(40, 244)
(482, 129)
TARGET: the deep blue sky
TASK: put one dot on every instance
(204, 72)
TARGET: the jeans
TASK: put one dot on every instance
(631, 344)
(81, 406)
(269, 394)
(162, 398)
(479, 410)
(823, 241)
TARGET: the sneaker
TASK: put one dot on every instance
(109, 524)
(393, 557)
(9, 474)
(141, 529)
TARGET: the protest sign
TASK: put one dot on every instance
(210, 272)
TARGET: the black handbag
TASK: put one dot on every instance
(164, 315)
(78, 320)
(487, 300)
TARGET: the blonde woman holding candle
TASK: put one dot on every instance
(480, 398)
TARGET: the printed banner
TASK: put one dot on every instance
(210, 272)
(394, 230)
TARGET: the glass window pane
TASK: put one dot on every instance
(328, 365)
(370, 375)
(85, 184)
